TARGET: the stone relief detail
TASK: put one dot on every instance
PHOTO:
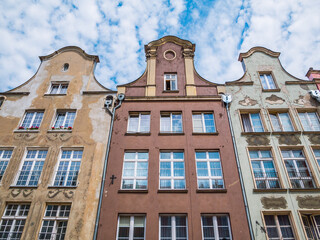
(274, 99)
(67, 193)
(25, 136)
(289, 139)
(61, 136)
(25, 192)
(310, 202)
(274, 202)
(187, 53)
(247, 101)
(314, 138)
(258, 140)
(15, 192)
(53, 193)
(151, 53)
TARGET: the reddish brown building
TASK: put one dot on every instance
(172, 155)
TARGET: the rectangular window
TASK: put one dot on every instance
(317, 155)
(13, 221)
(5, 156)
(64, 120)
(131, 227)
(68, 168)
(298, 169)
(209, 171)
(172, 170)
(31, 120)
(31, 168)
(139, 122)
(265, 174)
(310, 121)
(173, 227)
(55, 221)
(216, 227)
(135, 170)
(279, 227)
(252, 122)
(58, 88)
(170, 82)
(203, 123)
(281, 122)
(171, 123)
(311, 224)
(267, 81)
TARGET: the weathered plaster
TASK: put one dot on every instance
(274, 202)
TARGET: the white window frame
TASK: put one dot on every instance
(31, 126)
(131, 226)
(4, 161)
(68, 171)
(264, 178)
(207, 160)
(251, 121)
(266, 80)
(215, 224)
(172, 178)
(175, 79)
(56, 220)
(171, 125)
(30, 172)
(297, 170)
(278, 226)
(135, 177)
(64, 120)
(204, 130)
(309, 122)
(59, 91)
(277, 115)
(15, 218)
(173, 225)
(139, 122)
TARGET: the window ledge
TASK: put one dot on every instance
(59, 94)
(222, 190)
(59, 187)
(286, 133)
(133, 191)
(59, 131)
(271, 90)
(172, 190)
(255, 133)
(310, 132)
(262, 190)
(304, 189)
(137, 134)
(170, 91)
(16, 186)
(211, 133)
(26, 131)
(170, 133)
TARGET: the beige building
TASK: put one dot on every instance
(53, 139)
(276, 126)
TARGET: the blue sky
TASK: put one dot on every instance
(117, 31)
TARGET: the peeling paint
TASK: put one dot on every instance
(274, 99)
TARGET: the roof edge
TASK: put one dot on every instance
(170, 38)
(258, 49)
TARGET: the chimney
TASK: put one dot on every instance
(314, 75)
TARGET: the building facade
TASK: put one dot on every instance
(172, 171)
(276, 126)
(53, 138)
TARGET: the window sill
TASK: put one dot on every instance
(16, 186)
(304, 189)
(271, 90)
(310, 132)
(255, 133)
(267, 190)
(133, 191)
(286, 133)
(26, 131)
(170, 133)
(59, 94)
(59, 131)
(137, 134)
(170, 91)
(222, 190)
(59, 187)
(213, 133)
(172, 190)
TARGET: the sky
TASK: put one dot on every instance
(117, 31)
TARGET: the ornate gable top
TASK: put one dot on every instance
(258, 49)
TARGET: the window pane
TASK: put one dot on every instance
(197, 123)
(176, 123)
(165, 124)
(256, 122)
(246, 123)
(286, 122)
(133, 124)
(275, 122)
(145, 123)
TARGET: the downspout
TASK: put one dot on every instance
(120, 98)
(227, 100)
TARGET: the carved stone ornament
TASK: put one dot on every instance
(67, 193)
(274, 202)
(25, 136)
(188, 53)
(310, 202)
(15, 192)
(25, 192)
(314, 138)
(289, 139)
(274, 99)
(247, 101)
(53, 193)
(61, 136)
(258, 140)
(151, 53)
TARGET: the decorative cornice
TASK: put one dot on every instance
(258, 49)
(68, 49)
